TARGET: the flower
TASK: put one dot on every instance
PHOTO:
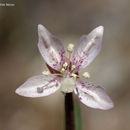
(63, 71)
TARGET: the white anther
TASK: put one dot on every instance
(65, 64)
(62, 70)
(73, 67)
(74, 75)
(86, 75)
(46, 72)
(70, 47)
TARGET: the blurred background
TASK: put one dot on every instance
(67, 19)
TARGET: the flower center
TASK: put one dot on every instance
(67, 74)
(68, 82)
(69, 78)
(66, 67)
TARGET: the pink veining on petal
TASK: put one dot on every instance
(93, 95)
(51, 48)
(39, 86)
(87, 48)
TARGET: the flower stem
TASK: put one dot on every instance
(69, 112)
(78, 119)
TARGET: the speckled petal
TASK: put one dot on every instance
(87, 48)
(93, 95)
(50, 48)
(39, 86)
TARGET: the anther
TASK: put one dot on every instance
(70, 48)
(86, 75)
(74, 75)
(73, 67)
(46, 73)
(65, 64)
(62, 70)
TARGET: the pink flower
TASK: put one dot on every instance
(63, 71)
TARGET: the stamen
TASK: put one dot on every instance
(40, 89)
(73, 67)
(74, 75)
(62, 70)
(65, 64)
(86, 75)
(70, 48)
(46, 73)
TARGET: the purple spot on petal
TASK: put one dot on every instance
(77, 90)
(80, 98)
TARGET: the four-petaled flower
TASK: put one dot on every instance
(63, 71)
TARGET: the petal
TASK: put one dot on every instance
(87, 48)
(93, 95)
(39, 86)
(50, 48)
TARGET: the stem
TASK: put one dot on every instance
(78, 120)
(69, 112)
